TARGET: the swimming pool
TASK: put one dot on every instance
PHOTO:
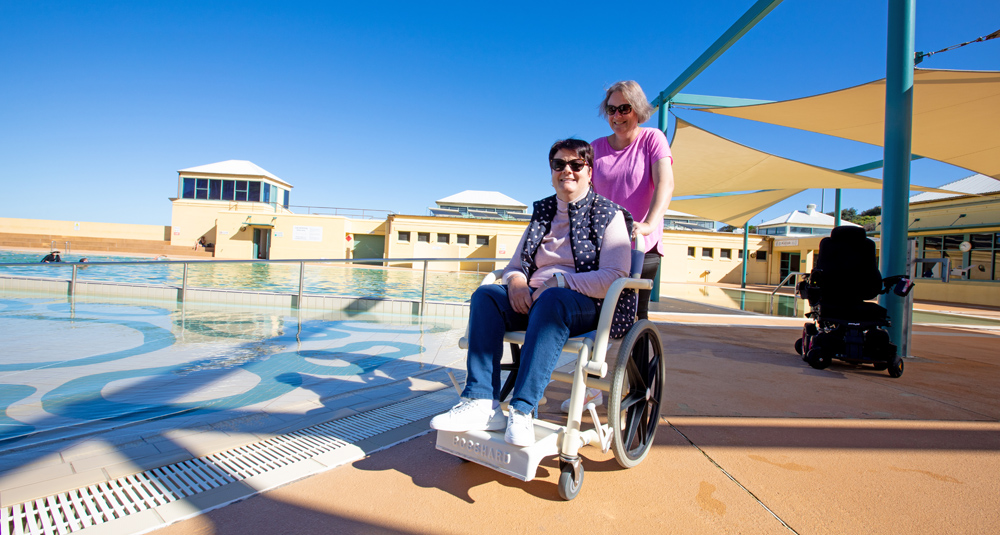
(363, 282)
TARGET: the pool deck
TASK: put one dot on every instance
(752, 440)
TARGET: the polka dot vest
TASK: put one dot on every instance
(588, 219)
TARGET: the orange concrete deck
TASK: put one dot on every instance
(752, 440)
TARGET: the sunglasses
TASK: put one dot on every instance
(576, 165)
(624, 109)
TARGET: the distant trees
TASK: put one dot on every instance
(730, 228)
(866, 218)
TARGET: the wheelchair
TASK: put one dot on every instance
(845, 325)
(635, 392)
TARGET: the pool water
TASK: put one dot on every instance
(363, 282)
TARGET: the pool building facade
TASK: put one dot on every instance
(245, 212)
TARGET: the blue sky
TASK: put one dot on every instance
(392, 105)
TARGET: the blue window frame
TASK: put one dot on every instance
(188, 189)
(286, 199)
(215, 190)
(253, 191)
(201, 188)
(241, 190)
(228, 192)
(267, 194)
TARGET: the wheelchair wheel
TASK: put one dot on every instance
(819, 358)
(636, 393)
(896, 368)
(798, 346)
(880, 366)
(568, 486)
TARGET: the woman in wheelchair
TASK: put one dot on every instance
(575, 246)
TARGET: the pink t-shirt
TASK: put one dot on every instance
(626, 176)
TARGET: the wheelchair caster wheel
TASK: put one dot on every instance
(636, 393)
(896, 368)
(798, 346)
(818, 358)
(569, 487)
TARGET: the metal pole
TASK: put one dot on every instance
(896, 178)
(423, 290)
(746, 254)
(184, 284)
(836, 216)
(72, 283)
(302, 277)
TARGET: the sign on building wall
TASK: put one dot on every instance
(786, 243)
(303, 233)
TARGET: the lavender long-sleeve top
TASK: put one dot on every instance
(555, 255)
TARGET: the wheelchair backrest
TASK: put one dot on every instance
(847, 268)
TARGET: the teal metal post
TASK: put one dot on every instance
(654, 296)
(749, 19)
(896, 178)
(836, 215)
(746, 253)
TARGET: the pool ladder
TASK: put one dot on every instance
(52, 247)
(795, 286)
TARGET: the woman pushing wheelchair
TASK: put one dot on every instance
(575, 246)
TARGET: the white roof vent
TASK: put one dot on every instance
(810, 209)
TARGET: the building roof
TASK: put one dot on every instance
(471, 197)
(973, 185)
(234, 167)
(810, 218)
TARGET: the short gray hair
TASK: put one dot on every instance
(633, 94)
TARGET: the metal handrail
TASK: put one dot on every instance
(300, 261)
(795, 302)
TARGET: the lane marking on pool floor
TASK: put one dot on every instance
(154, 498)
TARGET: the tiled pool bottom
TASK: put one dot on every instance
(151, 380)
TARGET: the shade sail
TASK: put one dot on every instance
(733, 210)
(955, 116)
(705, 163)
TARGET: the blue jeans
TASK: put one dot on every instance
(559, 314)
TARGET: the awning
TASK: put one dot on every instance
(705, 163)
(955, 116)
(259, 225)
(733, 210)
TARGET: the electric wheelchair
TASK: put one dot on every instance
(846, 326)
(635, 392)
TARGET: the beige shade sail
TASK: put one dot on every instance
(705, 163)
(955, 116)
(733, 210)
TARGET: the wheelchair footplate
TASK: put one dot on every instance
(489, 449)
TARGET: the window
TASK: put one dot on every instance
(482, 240)
(707, 252)
(726, 253)
(404, 236)
(462, 239)
(201, 189)
(228, 192)
(423, 237)
(691, 252)
(267, 194)
(285, 204)
(187, 191)
(739, 254)
(241, 190)
(444, 238)
(253, 191)
(979, 263)
(214, 189)
(761, 256)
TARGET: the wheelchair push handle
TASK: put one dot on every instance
(638, 256)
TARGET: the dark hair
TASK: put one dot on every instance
(580, 147)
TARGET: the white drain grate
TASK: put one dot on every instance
(101, 503)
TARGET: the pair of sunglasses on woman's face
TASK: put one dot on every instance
(576, 165)
(624, 109)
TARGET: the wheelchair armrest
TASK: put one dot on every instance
(597, 364)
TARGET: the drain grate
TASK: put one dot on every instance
(104, 502)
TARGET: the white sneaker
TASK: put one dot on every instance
(520, 428)
(469, 415)
(593, 394)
